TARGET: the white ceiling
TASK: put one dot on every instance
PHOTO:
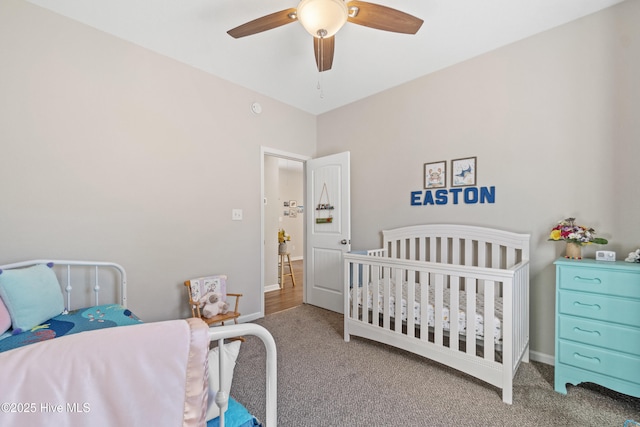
(280, 63)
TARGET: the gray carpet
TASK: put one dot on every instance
(324, 381)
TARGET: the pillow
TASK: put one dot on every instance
(5, 318)
(32, 295)
(230, 353)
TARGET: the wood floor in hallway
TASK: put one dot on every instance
(289, 296)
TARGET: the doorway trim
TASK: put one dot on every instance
(267, 151)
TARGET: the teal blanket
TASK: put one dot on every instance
(84, 319)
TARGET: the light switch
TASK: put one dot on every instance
(236, 214)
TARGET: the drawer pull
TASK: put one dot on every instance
(582, 305)
(586, 331)
(595, 280)
(586, 358)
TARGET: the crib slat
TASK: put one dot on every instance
(424, 301)
(468, 252)
(495, 255)
(375, 292)
(386, 288)
(482, 254)
(444, 250)
(455, 251)
(488, 315)
(510, 257)
(411, 297)
(439, 294)
(433, 249)
(398, 277)
(355, 289)
(454, 306)
(471, 317)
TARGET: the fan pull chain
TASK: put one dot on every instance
(320, 86)
(321, 56)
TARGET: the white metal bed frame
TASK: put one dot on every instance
(218, 333)
(67, 282)
(484, 262)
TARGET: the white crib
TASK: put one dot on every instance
(423, 275)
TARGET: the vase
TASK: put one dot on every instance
(574, 251)
(282, 248)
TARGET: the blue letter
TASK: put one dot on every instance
(488, 194)
(455, 192)
(441, 197)
(471, 195)
(428, 198)
(415, 198)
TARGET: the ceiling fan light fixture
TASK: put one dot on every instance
(322, 18)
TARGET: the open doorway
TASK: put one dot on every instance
(283, 210)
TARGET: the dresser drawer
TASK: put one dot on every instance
(598, 307)
(601, 281)
(617, 365)
(605, 335)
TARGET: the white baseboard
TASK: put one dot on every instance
(271, 288)
(542, 358)
(250, 317)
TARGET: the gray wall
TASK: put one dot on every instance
(112, 152)
(553, 120)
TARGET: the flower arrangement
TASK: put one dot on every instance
(568, 231)
(283, 236)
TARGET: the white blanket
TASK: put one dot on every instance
(152, 374)
(462, 316)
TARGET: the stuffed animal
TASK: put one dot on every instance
(634, 256)
(211, 304)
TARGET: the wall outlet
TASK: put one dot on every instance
(236, 214)
(605, 256)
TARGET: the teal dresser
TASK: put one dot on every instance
(598, 324)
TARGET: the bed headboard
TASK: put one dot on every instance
(457, 244)
(85, 283)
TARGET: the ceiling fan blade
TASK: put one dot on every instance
(323, 48)
(264, 23)
(382, 17)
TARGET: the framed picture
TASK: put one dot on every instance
(293, 203)
(435, 174)
(293, 213)
(463, 172)
(286, 204)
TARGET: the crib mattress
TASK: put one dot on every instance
(446, 318)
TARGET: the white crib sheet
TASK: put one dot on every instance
(462, 316)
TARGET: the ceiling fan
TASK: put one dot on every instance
(323, 18)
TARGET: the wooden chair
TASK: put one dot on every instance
(220, 318)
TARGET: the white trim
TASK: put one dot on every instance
(267, 151)
(536, 356)
(271, 288)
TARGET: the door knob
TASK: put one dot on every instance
(344, 241)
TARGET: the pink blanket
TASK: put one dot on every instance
(151, 374)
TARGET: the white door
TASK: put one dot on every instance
(328, 216)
